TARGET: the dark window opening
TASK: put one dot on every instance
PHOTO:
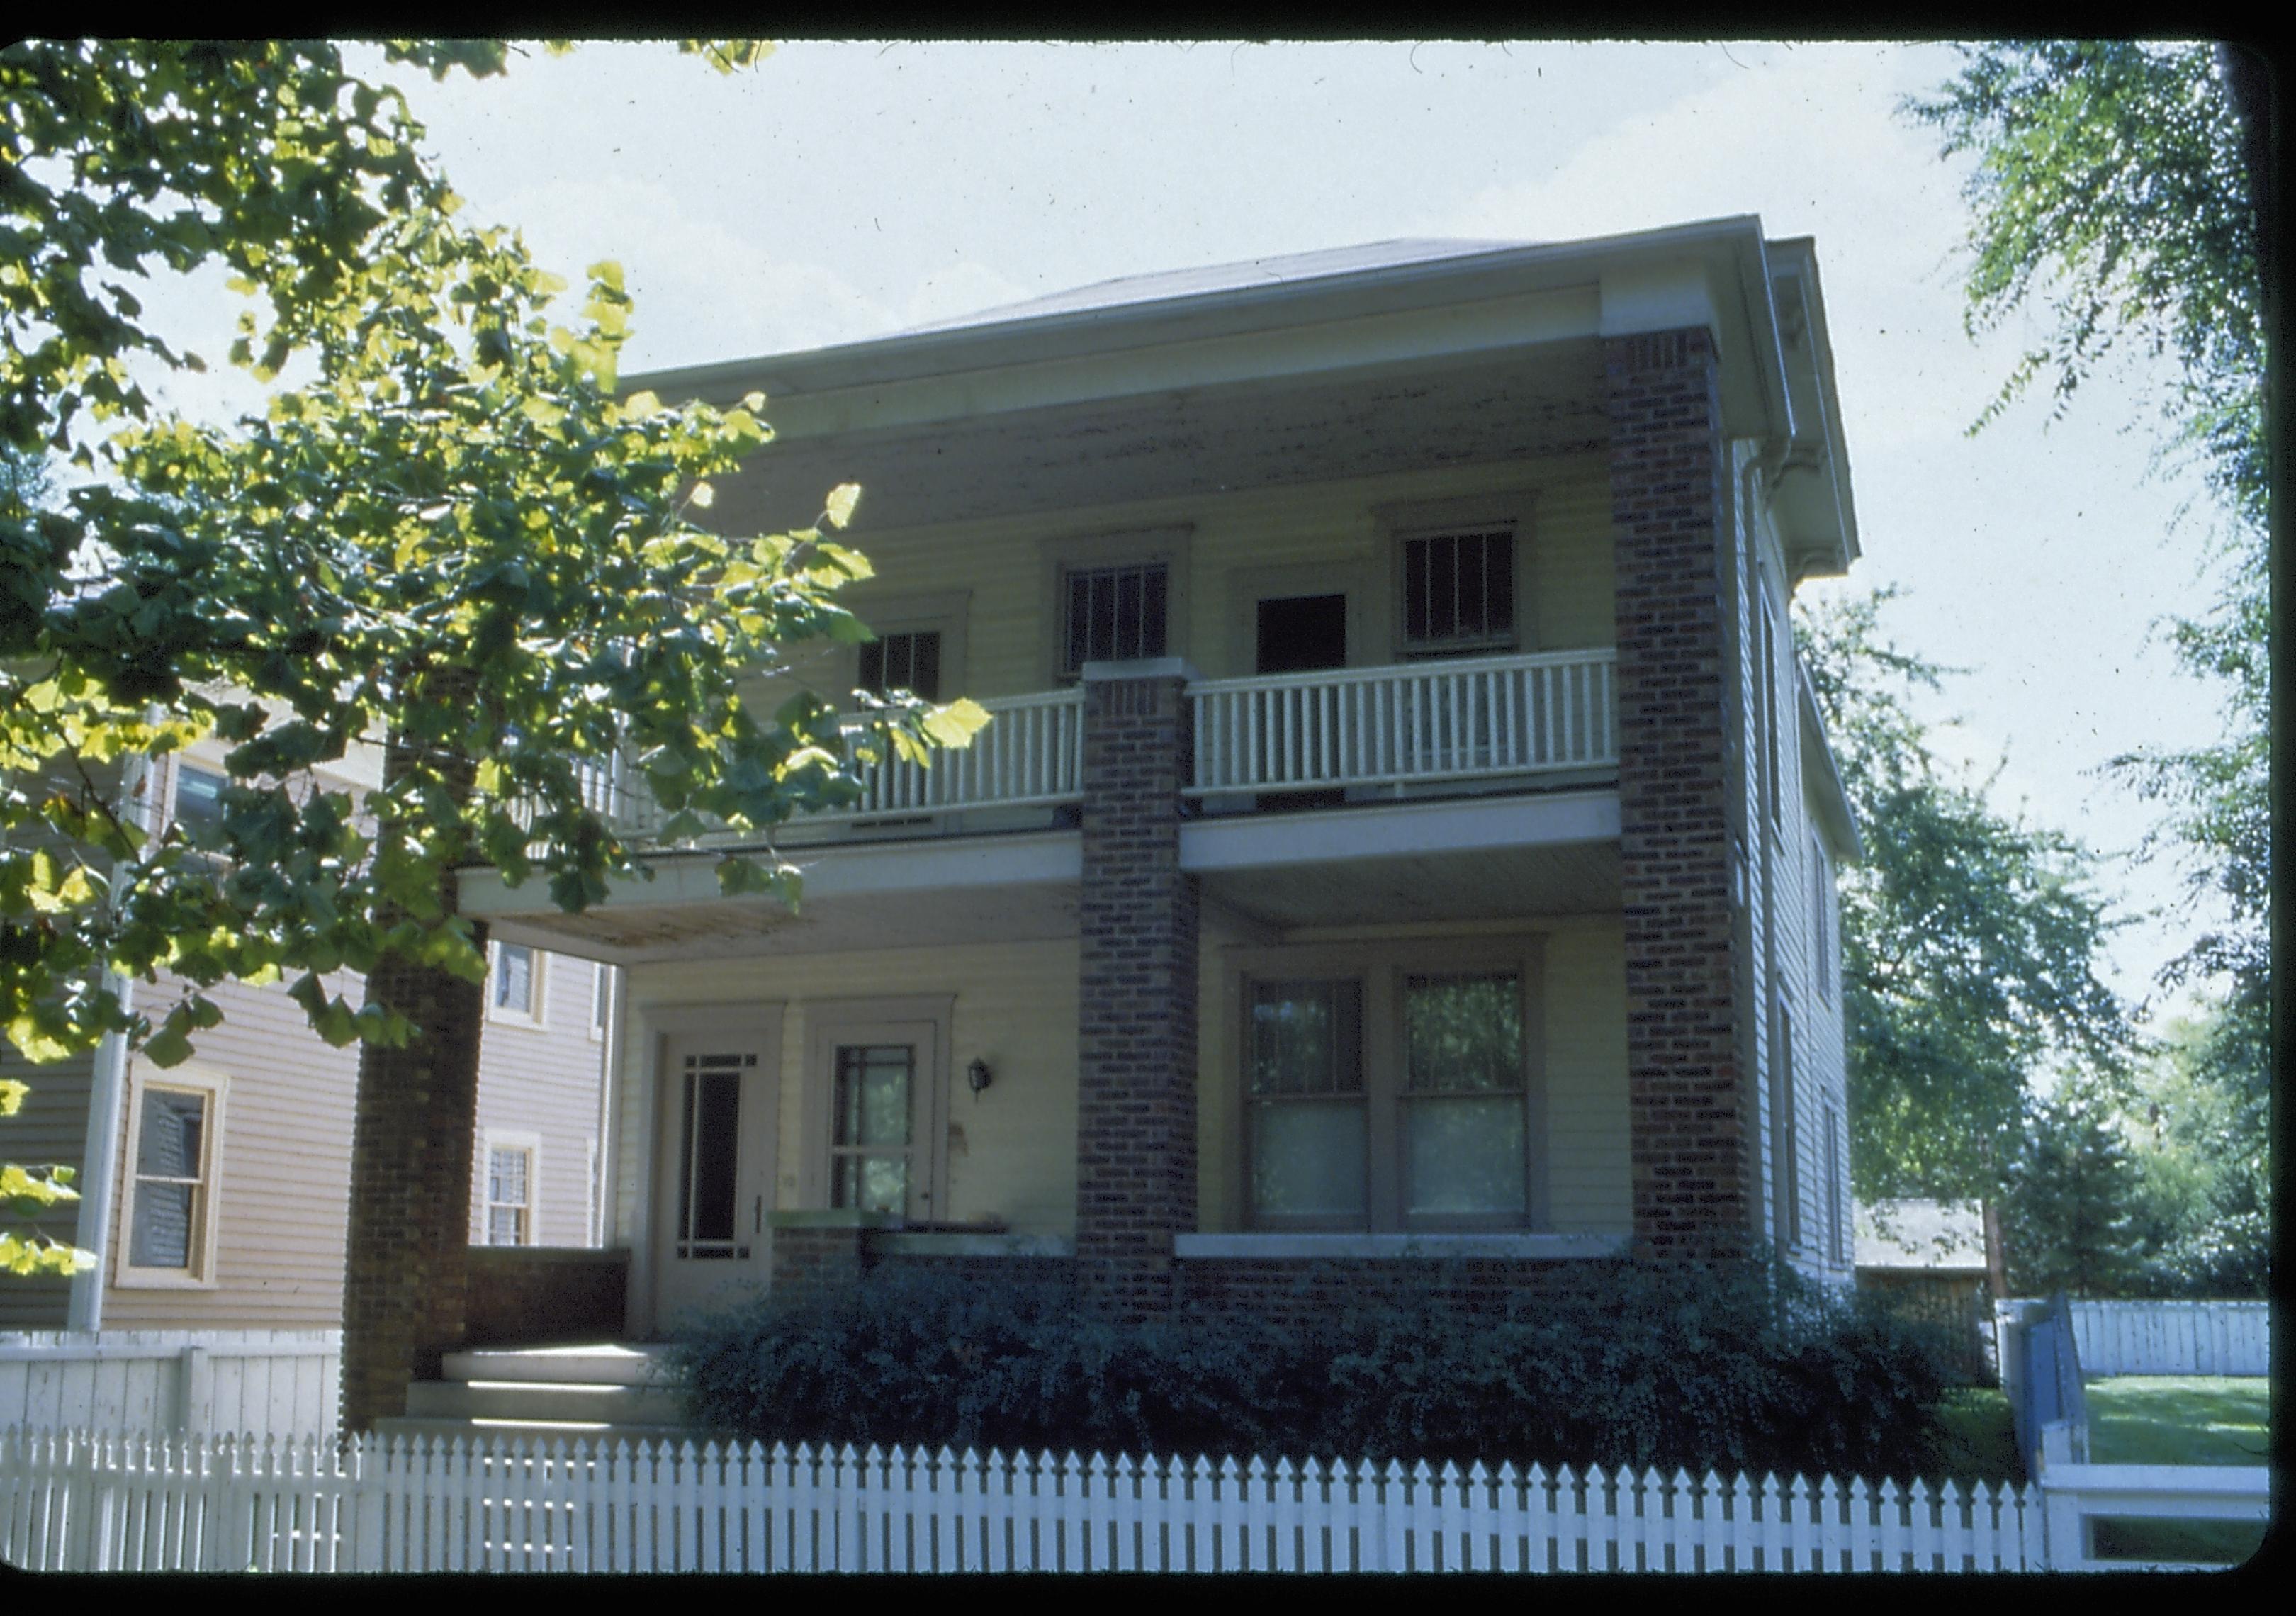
(903, 662)
(1458, 592)
(1115, 614)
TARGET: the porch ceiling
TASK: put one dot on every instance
(1477, 859)
(1515, 405)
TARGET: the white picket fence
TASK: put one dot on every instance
(2173, 1337)
(281, 1383)
(71, 1500)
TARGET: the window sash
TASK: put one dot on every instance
(172, 1197)
(908, 660)
(1458, 591)
(1115, 614)
(873, 1147)
(510, 1196)
(515, 974)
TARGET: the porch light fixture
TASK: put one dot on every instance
(978, 1077)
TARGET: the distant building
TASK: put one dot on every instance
(1928, 1257)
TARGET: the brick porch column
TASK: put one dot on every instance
(1693, 1179)
(1136, 1005)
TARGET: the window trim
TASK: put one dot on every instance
(602, 1000)
(944, 614)
(829, 1023)
(1147, 546)
(537, 1014)
(1382, 968)
(1825, 925)
(529, 1144)
(187, 1078)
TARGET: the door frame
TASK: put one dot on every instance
(762, 1022)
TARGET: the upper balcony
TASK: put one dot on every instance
(1463, 783)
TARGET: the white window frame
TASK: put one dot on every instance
(200, 1273)
(1383, 969)
(537, 1003)
(521, 1143)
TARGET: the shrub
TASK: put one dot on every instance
(1734, 1366)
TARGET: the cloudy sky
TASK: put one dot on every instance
(841, 192)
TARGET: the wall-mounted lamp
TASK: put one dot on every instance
(978, 1077)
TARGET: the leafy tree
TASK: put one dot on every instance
(456, 537)
(2119, 193)
(1970, 941)
(2070, 1211)
(2200, 1126)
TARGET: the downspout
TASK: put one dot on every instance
(107, 1093)
(609, 1180)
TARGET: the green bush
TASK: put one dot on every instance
(1724, 1367)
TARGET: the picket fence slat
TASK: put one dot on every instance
(78, 1500)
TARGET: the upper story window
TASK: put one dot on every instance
(1458, 592)
(1113, 614)
(1822, 900)
(199, 798)
(903, 662)
(516, 993)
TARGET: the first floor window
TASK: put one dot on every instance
(509, 1196)
(175, 1150)
(870, 1143)
(1390, 1100)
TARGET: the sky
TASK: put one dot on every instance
(839, 191)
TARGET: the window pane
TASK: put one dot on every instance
(1307, 1039)
(1464, 1032)
(1308, 1159)
(872, 1184)
(514, 979)
(711, 1152)
(1458, 587)
(173, 1124)
(507, 1176)
(505, 1225)
(873, 1085)
(1115, 614)
(199, 800)
(164, 1217)
(1465, 1156)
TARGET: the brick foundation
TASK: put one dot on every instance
(539, 1296)
(1136, 1004)
(1310, 1293)
(1693, 1179)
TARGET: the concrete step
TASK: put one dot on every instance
(544, 1400)
(604, 1365)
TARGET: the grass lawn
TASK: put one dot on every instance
(2179, 1420)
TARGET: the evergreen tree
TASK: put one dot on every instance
(2071, 1212)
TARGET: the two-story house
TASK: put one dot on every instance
(1403, 830)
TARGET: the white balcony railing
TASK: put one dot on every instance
(1031, 755)
(1397, 725)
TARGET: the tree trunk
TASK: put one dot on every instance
(406, 1271)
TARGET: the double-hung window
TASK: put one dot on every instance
(171, 1204)
(1383, 1096)
(510, 1194)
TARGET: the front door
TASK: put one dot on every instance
(714, 1174)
